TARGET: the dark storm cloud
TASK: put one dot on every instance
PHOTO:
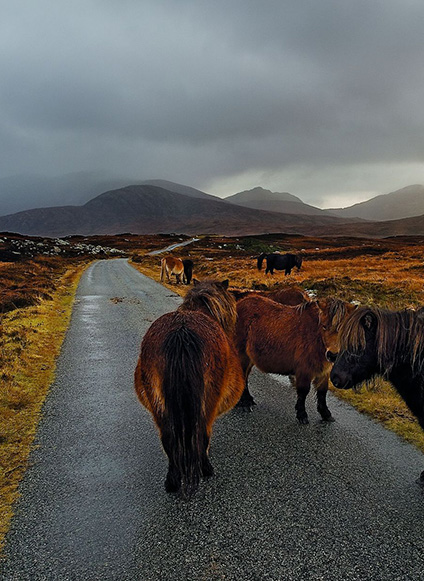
(203, 92)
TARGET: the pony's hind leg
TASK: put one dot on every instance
(173, 477)
(207, 468)
(321, 385)
(303, 385)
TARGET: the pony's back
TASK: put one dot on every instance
(269, 332)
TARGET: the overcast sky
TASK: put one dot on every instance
(321, 98)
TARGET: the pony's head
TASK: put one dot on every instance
(374, 341)
(213, 298)
(357, 360)
(298, 261)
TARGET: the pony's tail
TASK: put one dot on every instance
(260, 260)
(184, 419)
(162, 269)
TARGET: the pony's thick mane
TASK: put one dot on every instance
(218, 302)
(337, 312)
(399, 337)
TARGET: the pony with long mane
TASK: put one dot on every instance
(276, 261)
(188, 373)
(171, 265)
(387, 343)
(289, 340)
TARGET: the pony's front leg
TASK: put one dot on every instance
(321, 385)
(303, 385)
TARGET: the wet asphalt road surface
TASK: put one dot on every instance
(331, 502)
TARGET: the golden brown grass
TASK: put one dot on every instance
(386, 273)
(30, 341)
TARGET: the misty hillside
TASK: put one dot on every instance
(24, 192)
(404, 203)
(180, 189)
(145, 209)
(283, 202)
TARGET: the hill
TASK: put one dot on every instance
(146, 209)
(405, 227)
(180, 189)
(403, 203)
(282, 202)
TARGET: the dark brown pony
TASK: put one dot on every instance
(171, 265)
(188, 373)
(290, 341)
(388, 343)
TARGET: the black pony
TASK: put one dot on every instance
(280, 262)
(391, 344)
(188, 270)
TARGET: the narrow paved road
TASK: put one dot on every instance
(333, 502)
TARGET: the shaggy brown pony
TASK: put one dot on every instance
(171, 265)
(290, 341)
(188, 373)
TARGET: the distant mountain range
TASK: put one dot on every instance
(146, 209)
(404, 203)
(284, 203)
(155, 206)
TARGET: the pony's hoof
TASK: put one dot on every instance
(171, 487)
(327, 419)
(247, 404)
(207, 470)
(303, 420)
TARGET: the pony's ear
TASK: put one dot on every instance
(225, 283)
(195, 282)
(368, 321)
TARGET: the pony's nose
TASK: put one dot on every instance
(335, 381)
(335, 378)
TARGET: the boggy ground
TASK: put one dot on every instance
(387, 273)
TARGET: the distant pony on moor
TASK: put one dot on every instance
(276, 261)
(187, 374)
(171, 265)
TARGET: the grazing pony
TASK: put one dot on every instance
(171, 265)
(290, 341)
(277, 261)
(187, 374)
(188, 270)
(388, 343)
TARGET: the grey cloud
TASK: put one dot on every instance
(194, 91)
